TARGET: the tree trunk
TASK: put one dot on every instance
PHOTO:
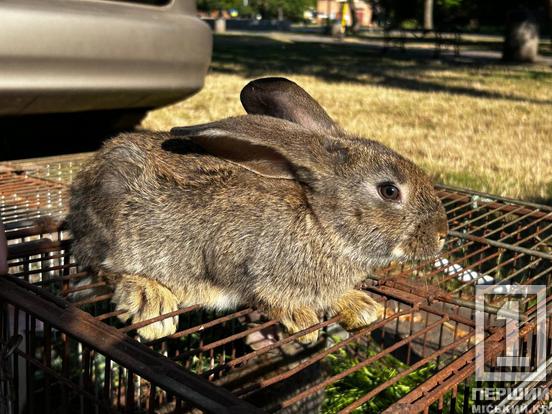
(521, 41)
(428, 15)
(549, 10)
(220, 22)
(355, 25)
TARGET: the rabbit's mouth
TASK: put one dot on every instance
(424, 243)
(416, 253)
(417, 260)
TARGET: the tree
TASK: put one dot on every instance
(288, 9)
(549, 12)
(354, 21)
(521, 41)
(218, 5)
(268, 9)
(428, 15)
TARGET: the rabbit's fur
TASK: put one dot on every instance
(278, 209)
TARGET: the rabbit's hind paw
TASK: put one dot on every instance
(357, 309)
(145, 299)
(296, 320)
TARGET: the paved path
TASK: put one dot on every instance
(425, 50)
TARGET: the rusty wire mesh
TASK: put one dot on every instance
(64, 350)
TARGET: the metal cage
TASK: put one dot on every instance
(63, 349)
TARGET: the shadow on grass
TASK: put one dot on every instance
(466, 43)
(254, 56)
(547, 201)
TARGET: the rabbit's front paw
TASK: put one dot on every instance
(357, 309)
(145, 299)
(296, 320)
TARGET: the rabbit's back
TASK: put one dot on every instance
(153, 205)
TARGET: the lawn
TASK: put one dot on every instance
(468, 122)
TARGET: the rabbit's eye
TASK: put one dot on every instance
(389, 192)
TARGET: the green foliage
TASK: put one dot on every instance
(459, 12)
(394, 12)
(210, 5)
(409, 24)
(292, 9)
(268, 9)
(354, 386)
(449, 4)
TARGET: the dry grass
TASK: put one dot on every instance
(484, 127)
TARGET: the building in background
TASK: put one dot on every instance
(332, 9)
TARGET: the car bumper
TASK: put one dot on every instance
(64, 56)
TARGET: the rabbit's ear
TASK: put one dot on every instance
(282, 98)
(268, 146)
(237, 147)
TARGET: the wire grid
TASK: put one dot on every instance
(424, 347)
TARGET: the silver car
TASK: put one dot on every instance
(83, 55)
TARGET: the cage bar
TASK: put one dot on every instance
(64, 348)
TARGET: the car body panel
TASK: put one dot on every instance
(79, 55)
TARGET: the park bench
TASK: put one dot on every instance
(443, 36)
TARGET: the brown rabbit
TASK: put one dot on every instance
(280, 209)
